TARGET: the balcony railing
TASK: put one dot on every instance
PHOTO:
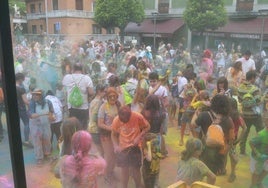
(61, 13)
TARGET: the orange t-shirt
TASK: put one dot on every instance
(130, 130)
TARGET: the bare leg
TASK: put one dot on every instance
(137, 176)
(124, 176)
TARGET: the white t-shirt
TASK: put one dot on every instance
(83, 81)
(247, 65)
(57, 107)
(182, 81)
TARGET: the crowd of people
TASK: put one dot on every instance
(121, 100)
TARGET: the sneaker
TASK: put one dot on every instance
(27, 144)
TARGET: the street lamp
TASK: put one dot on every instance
(154, 15)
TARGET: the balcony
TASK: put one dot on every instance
(60, 14)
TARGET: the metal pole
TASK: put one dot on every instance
(46, 17)
(154, 30)
(262, 32)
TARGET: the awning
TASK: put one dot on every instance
(242, 28)
(162, 27)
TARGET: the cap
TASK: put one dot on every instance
(37, 91)
(149, 48)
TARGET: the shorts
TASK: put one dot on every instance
(96, 138)
(187, 116)
(129, 157)
(257, 167)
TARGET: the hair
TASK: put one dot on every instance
(132, 61)
(81, 144)
(222, 80)
(153, 76)
(124, 113)
(220, 104)
(192, 145)
(152, 103)
(237, 67)
(110, 66)
(247, 53)
(251, 74)
(19, 76)
(78, 67)
(113, 81)
(100, 87)
(68, 128)
(49, 92)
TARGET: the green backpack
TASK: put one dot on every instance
(76, 98)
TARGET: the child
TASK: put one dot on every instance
(259, 157)
(190, 168)
(151, 160)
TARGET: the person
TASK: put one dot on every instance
(190, 168)
(39, 110)
(182, 81)
(238, 122)
(68, 128)
(128, 128)
(214, 156)
(222, 87)
(23, 104)
(57, 113)
(85, 85)
(206, 66)
(259, 157)
(249, 95)
(93, 128)
(151, 160)
(220, 57)
(106, 114)
(157, 89)
(80, 169)
(188, 94)
(247, 63)
(234, 76)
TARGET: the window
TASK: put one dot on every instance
(79, 4)
(96, 29)
(41, 29)
(40, 7)
(34, 29)
(57, 27)
(32, 8)
(110, 31)
(55, 5)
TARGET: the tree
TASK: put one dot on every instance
(20, 4)
(202, 15)
(118, 13)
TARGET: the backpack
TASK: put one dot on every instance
(215, 136)
(76, 98)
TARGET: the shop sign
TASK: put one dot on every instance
(249, 36)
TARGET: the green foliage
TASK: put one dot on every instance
(20, 3)
(202, 15)
(118, 13)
